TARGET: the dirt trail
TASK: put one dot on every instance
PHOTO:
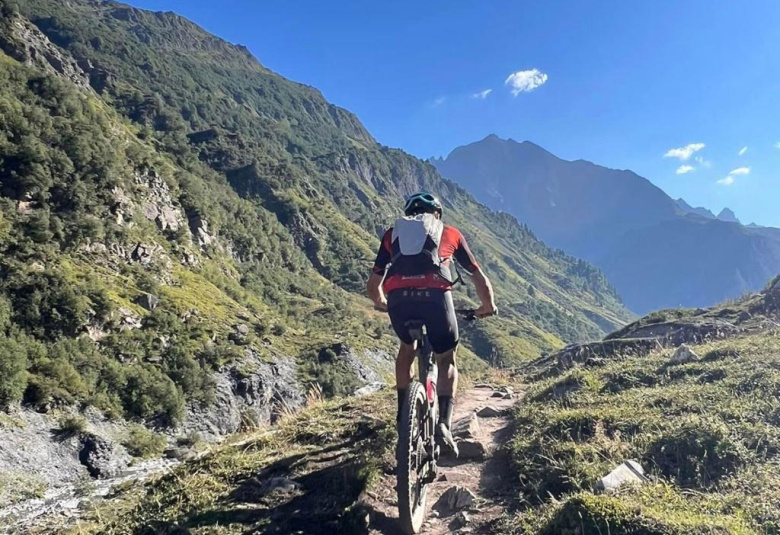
(484, 477)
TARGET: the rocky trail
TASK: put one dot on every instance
(469, 492)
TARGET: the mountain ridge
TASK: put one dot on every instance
(598, 214)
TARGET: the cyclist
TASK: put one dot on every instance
(412, 279)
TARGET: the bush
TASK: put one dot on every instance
(71, 425)
(144, 443)
(13, 376)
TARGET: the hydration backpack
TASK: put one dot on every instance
(415, 247)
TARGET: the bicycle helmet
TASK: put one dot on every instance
(422, 203)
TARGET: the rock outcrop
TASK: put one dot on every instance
(248, 395)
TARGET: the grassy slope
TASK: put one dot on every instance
(336, 446)
(706, 432)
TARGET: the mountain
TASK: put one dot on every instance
(186, 237)
(658, 252)
(700, 210)
(727, 215)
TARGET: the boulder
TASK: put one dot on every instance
(458, 498)
(148, 301)
(239, 333)
(628, 473)
(467, 427)
(471, 449)
(102, 458)
(684, 354)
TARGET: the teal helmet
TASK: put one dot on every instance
(422, 203)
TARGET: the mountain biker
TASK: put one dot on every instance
(425, 293)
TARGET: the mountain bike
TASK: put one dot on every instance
(417, 452)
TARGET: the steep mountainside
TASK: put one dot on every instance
(656, 251)
(182, 227)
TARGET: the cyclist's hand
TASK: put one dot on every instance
(489, 309)
(381, 304)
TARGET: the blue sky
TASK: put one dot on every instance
(625, 83)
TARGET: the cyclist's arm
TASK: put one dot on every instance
(374, 285)
(375, 292)
(485, 294)
(466, 260)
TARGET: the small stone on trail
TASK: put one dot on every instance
(489, 412)
(370, 388)
(282, 484)
(463, 518)
(628, 473)
(458, 498)
(684, 354)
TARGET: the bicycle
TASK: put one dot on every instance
(417, 452)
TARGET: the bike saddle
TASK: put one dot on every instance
(416, 328)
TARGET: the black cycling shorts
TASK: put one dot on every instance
(434, 307)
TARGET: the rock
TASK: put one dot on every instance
(628, 473)
(744, 315)
(279, 484)
(368, 389)
(489, 412)
(507, 390)
(239, 333)
(96, 248)
(143, 254)
(684, 354)
(458, 498)
(180, 454)
(594, 362)
(471, 449)
(128, 320)
(467, 427)
(462, 519)
(148, 301)
(497, 394)
(25, 207)
(150, 211)
(101, 457)
(248, 394)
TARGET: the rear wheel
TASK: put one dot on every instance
(414, 463)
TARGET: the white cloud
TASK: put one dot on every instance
(742, 151)
(777, 145)
(683, 169)
(525, 81)
(729, 180)
(701, 161)
(684, 153)
(438, 101)
(740, 171)
(482, 94)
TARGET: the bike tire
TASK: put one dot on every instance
(411, 508)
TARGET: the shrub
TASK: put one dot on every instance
(144, 443)
(13, 376)
(71, 425)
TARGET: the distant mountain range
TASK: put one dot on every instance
(657, 251)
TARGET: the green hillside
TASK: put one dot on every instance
(141, 156)
(705, 429)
